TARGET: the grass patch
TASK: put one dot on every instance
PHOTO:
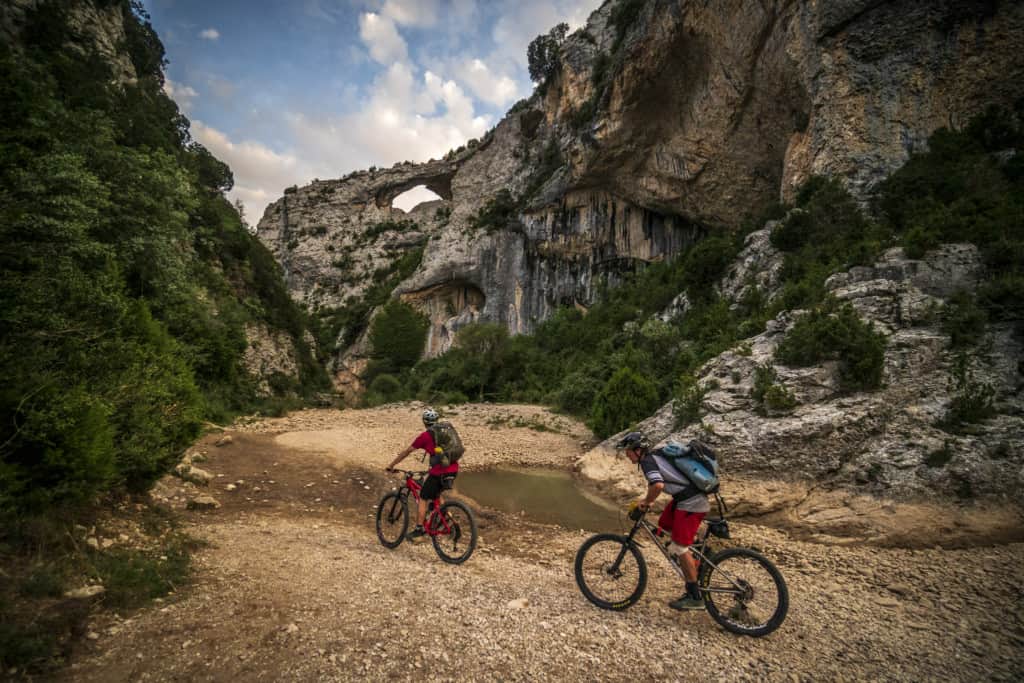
(44, 556)
(134, 577)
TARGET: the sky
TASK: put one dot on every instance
(285, 92)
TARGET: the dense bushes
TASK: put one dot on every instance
(968, 187)
(397, 336)
(626, 399)
(127, 277)
(825, 233)
(831, 332)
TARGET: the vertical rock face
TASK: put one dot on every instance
(652, 133)
(98, 27)
(886, 441)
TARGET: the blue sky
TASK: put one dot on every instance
(286, 92)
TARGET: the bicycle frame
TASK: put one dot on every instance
(440, 525)
(697, 548)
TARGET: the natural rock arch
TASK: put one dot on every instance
(403, 200)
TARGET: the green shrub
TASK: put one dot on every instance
(918, 241)
(940, 456)
(778, 399)
(1003, 296)
(688, 399)
(770, 396)
(963, 320)
(626, 398)
(397, 336)
(133, 577)
(377, 229)
(829, 334)
(972, 402)
(549, 161)
(384, 388)
(577, 393)
(706, 263)
(42, 582)
(497, 214)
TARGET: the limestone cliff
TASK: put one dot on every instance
(682, 118)
(886, 441)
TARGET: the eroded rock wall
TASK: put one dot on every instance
(689, 119)
(888, 441)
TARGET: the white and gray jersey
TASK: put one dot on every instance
(657, 468)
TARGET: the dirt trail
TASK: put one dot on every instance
(294, 585)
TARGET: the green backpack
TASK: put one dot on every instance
(448, 440)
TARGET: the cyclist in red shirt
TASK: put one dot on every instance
(439, 477)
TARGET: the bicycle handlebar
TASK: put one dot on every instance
(408, 473)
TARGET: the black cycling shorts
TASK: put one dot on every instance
(434, 484)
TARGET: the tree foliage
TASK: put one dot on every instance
(626, 399)
(397, 336)
(127, 277)
(544, 53)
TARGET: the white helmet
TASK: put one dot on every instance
(429, 417)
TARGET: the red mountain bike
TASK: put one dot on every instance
(451, 526)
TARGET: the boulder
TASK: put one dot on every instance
(203, 502)
(85, 592)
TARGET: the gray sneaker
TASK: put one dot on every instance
(417, 532)
(686, 602)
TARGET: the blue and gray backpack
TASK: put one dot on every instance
(696, 461)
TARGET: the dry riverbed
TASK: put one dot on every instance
(293, 584)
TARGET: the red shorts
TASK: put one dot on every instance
(681, 523)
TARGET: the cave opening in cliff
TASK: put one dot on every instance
(410, 199)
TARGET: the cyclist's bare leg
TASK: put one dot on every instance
(421, 511)
(685, 561)
(688, 566)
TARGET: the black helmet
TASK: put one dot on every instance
(634, 440)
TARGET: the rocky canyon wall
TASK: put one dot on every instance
(655, 131)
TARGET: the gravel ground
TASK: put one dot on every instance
(295, 586)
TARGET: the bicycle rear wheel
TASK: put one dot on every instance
(610, 571)
(392, 520)
(744, 592)
(455, 539)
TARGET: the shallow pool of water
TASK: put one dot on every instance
(546, 496)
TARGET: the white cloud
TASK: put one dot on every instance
(411, 111)
(221, 87)
(382, 38)
(524, 20)
(495, 89)
(181, 94)
(405, 118)
(421, 13)
(261, 174)
(209, 34)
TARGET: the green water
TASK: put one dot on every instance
(546, 496)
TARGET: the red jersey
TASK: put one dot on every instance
(425, 441)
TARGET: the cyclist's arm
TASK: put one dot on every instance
(400, 457)
(653, 491)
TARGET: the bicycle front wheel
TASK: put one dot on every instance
(455, 537)
(610, 571)
(744, 592)
(392, 520)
